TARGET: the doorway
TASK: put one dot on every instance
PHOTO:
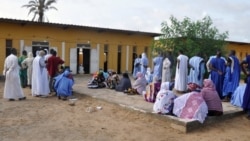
(83, 55)
(37, 46)
(105, 63)
(119, 59)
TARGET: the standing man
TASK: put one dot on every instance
(40, 83)
(232, 76)
(197, 70)
(158, 67)
(23, 71)
(144, 63)
(137, 67)
(181, 74)
(218, 66)
(27, 63)
(52, 67)
(12, 88)
(245, 66)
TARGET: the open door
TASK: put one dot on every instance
(73, 60)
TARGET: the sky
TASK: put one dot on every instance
(142, 15)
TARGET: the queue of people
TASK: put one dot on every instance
(35, 72)
(199, 98)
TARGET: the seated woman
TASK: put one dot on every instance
(63, 85)
(212, 98)
(151, 90)
(113, 80)
(139, 85)
(191, 106)
(165, 100)
(124, 83)
(98, 80)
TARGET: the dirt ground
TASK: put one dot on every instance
(50, 119)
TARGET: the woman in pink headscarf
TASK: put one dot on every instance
(139, 85)
(212, 98)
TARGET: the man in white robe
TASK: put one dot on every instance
(40, 82)
(181, 74)
(197, 70)
(12, 88)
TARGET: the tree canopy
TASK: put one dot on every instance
(39, 7)
(192, 37)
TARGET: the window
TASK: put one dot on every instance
(134, 49)
(106, 48)
(8, 46)
(146, 50)
(8, 43)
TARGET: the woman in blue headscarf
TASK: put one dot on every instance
(63, 85)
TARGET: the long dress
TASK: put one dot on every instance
(158, 67)
(124, 84)
(40, 82)
(181, 73)
(232, 76)
(27, 63)
(137, 67)
(218, 64)
(196, 74)
(12, 87)
(191, 106)
(237, 96)
(140, 83)
(151, 91)
(23, 71)
(144, 64)
(63, 84)
(246, 98)
(166, 71)
(164, 100)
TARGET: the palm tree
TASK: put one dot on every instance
(39, 7)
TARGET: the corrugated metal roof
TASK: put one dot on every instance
(66, 26)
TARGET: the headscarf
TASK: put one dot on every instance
(41, 53)
(164, 87)
(143, 55)
(208, 84)
(193, 86)
(30, 55)
(139, 75)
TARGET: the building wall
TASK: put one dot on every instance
(71, 36)
(241, 49)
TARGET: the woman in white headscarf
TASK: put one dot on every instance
(27, 63)
(144, 63)
(164, 100)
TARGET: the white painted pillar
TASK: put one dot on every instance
(21, 46)
(98, 54)
(63, 51)
(127, 58)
